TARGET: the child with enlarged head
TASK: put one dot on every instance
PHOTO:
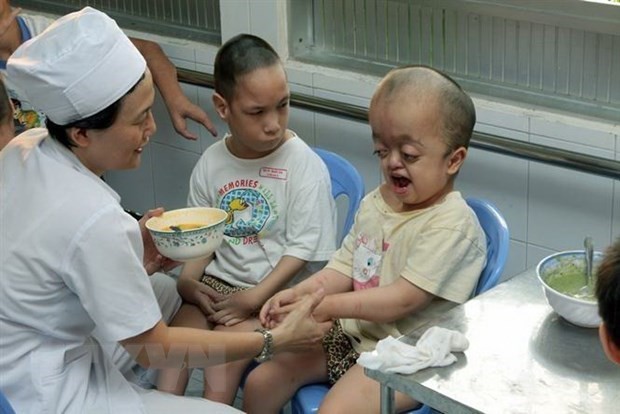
(608, 295)
(415, 246)
(277, 193)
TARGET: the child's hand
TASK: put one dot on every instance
(205, 297)
(274, 310)
(232, 309)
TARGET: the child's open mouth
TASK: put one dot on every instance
(400, 181)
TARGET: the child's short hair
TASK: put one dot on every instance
(240, 55)
(458, 112)
(608, 291)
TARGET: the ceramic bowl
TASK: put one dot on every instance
(188, 233)
(578, 311)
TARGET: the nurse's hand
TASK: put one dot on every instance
(152, 260)
(274, 310)
(299, 331)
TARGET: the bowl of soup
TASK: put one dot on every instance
(563, 277)
(188, 233)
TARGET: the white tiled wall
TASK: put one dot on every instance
(547, 208)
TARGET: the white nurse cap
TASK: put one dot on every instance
(78, 66)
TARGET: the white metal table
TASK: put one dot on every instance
(522, 358)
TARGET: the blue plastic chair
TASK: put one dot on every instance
(346, 180)
(5, 406)
(498, 241)
(308, 398)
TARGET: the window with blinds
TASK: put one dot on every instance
(197, 20)
(562, 54)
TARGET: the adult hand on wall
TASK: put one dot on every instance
(178, 105)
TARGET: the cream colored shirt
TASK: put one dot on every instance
(441, 249)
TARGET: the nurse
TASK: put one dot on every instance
(71, 259)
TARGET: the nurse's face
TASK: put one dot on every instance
(120, 146)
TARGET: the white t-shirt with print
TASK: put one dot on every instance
(441, 249)
(277, 205)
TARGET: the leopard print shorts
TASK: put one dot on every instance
(223, 288)
(220, 286)
(339, 353)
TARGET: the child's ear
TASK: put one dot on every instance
(456, 160)
(221, 106)
(612, 350)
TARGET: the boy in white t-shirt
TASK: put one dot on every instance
(277, 192)
(415, 246)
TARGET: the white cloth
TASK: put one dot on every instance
(61, 70)
(157, 402)
(280, 204)
(70, 260)
(169, 303)
(433, 349)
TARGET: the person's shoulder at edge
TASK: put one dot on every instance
(36, 22)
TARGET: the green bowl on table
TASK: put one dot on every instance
(564, 282)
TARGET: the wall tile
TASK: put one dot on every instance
(268, 11)
(501, 132)
(565, 206)
(503, 181)
(615, 223)
(508, 117)
(302, 122)
(205, 101)
(352, 84)
(572, 146)
(351, 140)
(236, 14)
(172, 169)
(298, 76)
(179, 50)
(350, 99)
(166, 133)
(573, 130)
(536, 253)
(135, 186)
(205, 56)
(517, 260)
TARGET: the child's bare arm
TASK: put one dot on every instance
(329, 280)
(381, 304)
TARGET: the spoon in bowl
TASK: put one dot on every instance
(589, 251)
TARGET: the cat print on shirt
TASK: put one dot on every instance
(367, 262)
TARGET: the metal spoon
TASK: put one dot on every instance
(589, 251)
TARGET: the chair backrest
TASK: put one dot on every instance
(346, 180)
(498, 240)
(5, 406)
